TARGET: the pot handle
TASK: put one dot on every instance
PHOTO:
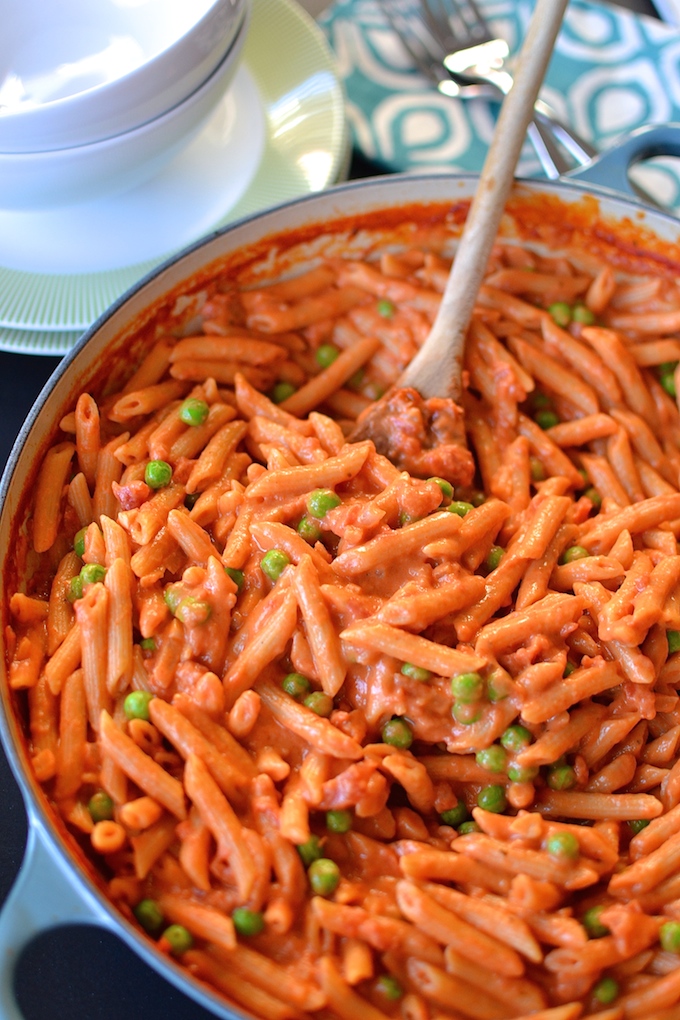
(45, 895)
(610, 168)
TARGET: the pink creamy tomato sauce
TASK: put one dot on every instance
(337, 726)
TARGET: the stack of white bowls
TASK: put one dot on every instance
(96, 96)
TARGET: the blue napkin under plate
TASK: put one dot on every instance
(612, 71)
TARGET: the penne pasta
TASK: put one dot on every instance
(376, 736)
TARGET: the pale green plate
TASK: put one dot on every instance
(287, 107)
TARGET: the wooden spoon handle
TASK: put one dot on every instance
(436, 369)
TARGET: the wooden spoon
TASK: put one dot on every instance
(434, 375)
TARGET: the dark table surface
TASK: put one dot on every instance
(82, 972)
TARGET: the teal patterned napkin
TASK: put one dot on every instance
(611, 71)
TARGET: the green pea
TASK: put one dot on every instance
(385, 308)
(280, 391)
(467, 827)
(568, 669)
(191, 499)
(460, 507)
(493, 759)
(172, 598)
(389, 987)
(606, 990)
(296, 685)
(592, 923)
(536, 470)
(561, 777)
(492, 798)
(593, 495)
(75, 589)
(667, 379)
(416, 672)
(321, 501)
(477, 498)
(274, 562)
(79, 542)
(136, 704)
(456, 815)
(497, 687)
(406, 518)
(100, 806)
(560, 313)
(324, 876)
(673, 638)
(467, 687)
(495, 555)
(193, 411)
(247, 922)
(326, 354)
(320, 703)
(466, 713)
(669, 936)
(546, 419)
(309, 529)
(515, 738)
(668, 384)
(564, 846)
(581, 313)
(573, 553)
(637, 825)
(540, 400)
(157, 474)
(310, 851)
(149, 915)
(193, 612)
(397, 733)
(339, 821)
(522, 773)
(148, 644)
(446, 488)
(178, 938)
(355, 381)
(92, 573)
(237, 576)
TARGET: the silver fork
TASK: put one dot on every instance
(451, 43)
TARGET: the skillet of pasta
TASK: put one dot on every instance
(350, 742)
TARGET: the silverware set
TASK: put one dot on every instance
(452, 44)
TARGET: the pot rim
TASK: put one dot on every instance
(42, 825)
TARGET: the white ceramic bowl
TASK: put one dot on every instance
(74, 72)
(38, 180)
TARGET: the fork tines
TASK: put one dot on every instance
(457, 24)
(432, 30)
